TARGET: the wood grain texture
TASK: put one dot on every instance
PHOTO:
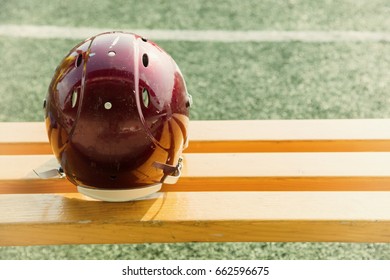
(26, 138)
(201, 216)
(240, 182)
(230, 172)
(358, 135)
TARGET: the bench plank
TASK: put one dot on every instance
(23, 138)
(347, 135)
(240, 182)
(239, 136)
(202, 216)
(231, 172)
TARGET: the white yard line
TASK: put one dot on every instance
(52, 32)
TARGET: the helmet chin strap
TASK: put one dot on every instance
(172, 173)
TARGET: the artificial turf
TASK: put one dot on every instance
(218, 251)
(203, 14)
(227, 80)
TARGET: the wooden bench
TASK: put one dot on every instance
(274, 180)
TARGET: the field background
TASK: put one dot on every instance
(239, 80)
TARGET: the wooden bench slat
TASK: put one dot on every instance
(290, 135)
(239, 136)
(202, 216)
(230, 172)
(240, 182)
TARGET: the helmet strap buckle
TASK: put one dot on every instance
(171, 173)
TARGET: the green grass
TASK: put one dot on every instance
(25, 74)
(203, 14)
(218, 251)
(230, 81)
(286, 80)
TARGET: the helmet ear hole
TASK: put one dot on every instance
(145, 60)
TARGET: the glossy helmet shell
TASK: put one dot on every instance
(116, 106)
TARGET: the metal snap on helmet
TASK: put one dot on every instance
(117, 112)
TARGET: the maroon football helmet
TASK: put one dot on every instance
(117, 112)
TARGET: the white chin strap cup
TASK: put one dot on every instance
(119, 195)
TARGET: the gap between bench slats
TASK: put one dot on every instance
(202, 216)
(231, 172)
(239, 136)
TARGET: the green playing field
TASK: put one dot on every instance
(202, 14)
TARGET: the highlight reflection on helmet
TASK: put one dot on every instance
(117, 113)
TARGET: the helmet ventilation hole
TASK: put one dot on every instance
(189, 100)
(107, 105)
(144, 39)
(145, 97)
(74, 99)
(111, 53)
(79, 60)
(44, 104)
(145, 60)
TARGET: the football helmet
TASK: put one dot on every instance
(117, 113)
